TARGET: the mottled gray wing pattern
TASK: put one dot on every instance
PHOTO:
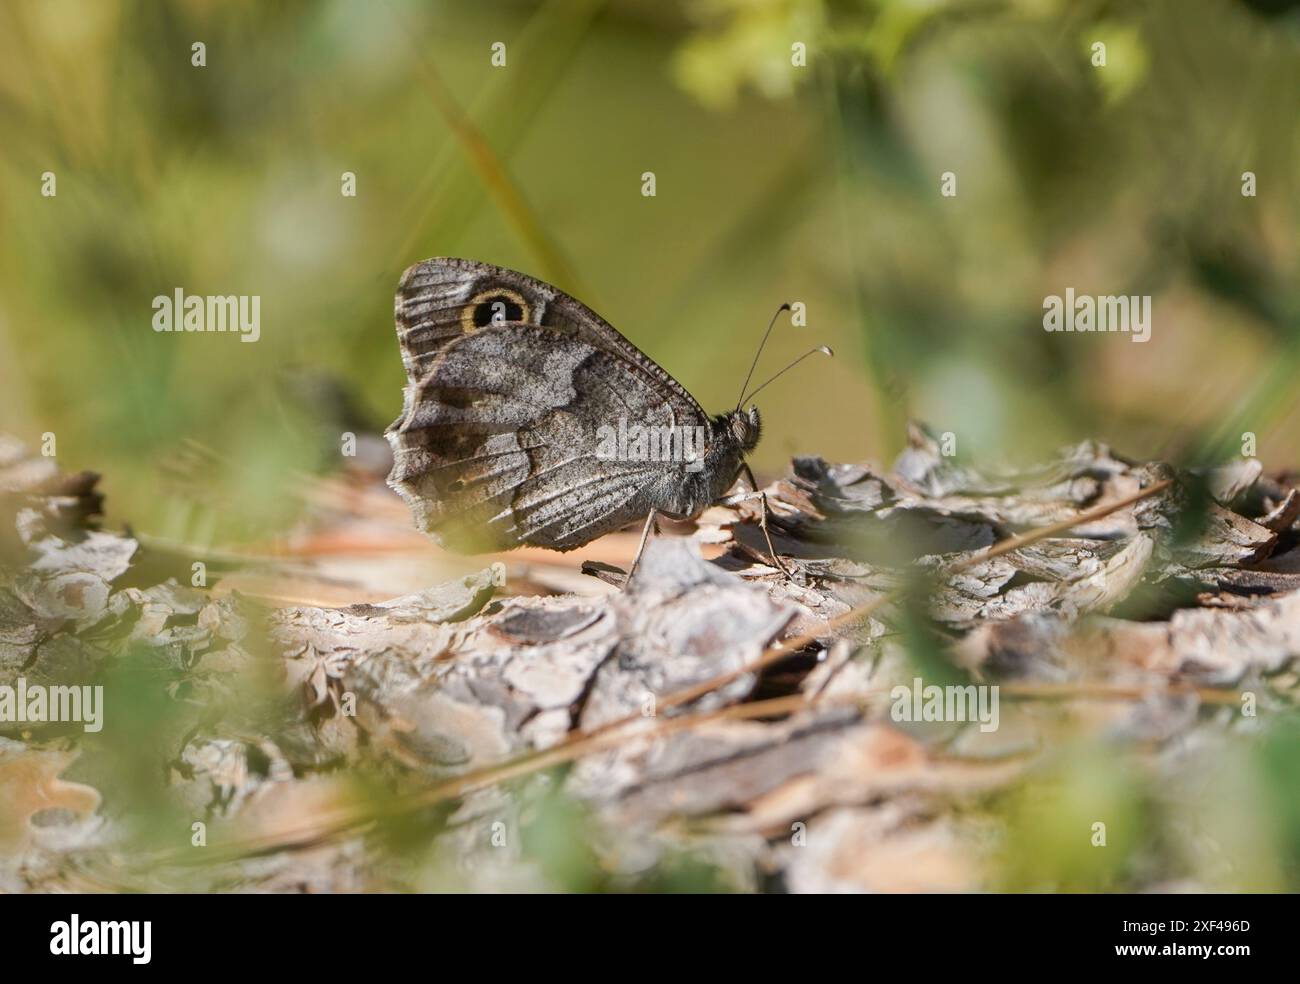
(440, 299)
(497, 443)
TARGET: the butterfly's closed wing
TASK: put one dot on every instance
(509, 385)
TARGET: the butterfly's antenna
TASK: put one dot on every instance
(754, 365)
(823, 349)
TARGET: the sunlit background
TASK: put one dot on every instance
(775, 182)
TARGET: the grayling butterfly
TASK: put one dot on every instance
(518, 408)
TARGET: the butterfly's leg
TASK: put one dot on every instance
(651, 522)
(762, 522)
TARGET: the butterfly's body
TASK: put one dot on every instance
(511, 386)
(683, 493)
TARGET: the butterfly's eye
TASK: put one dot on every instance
(494, 306)
(746, 427)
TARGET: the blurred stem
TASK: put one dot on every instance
(501, 187)
(891, 414)
(1262, 404)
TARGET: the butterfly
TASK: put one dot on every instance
(528, 419)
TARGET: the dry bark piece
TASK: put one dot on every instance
(34, 492)
(454, 678)
(885, 849)
(542, 625)
(1209, 646)
(1283, 515)
(1230, 483)
(681, 621)
(716, 768)
(607, 573)
(29, 785)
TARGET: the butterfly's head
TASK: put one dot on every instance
(746, 427)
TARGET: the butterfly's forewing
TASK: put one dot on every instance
(440, 299)
(509, 382)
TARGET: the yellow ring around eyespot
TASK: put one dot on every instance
(467, 312)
